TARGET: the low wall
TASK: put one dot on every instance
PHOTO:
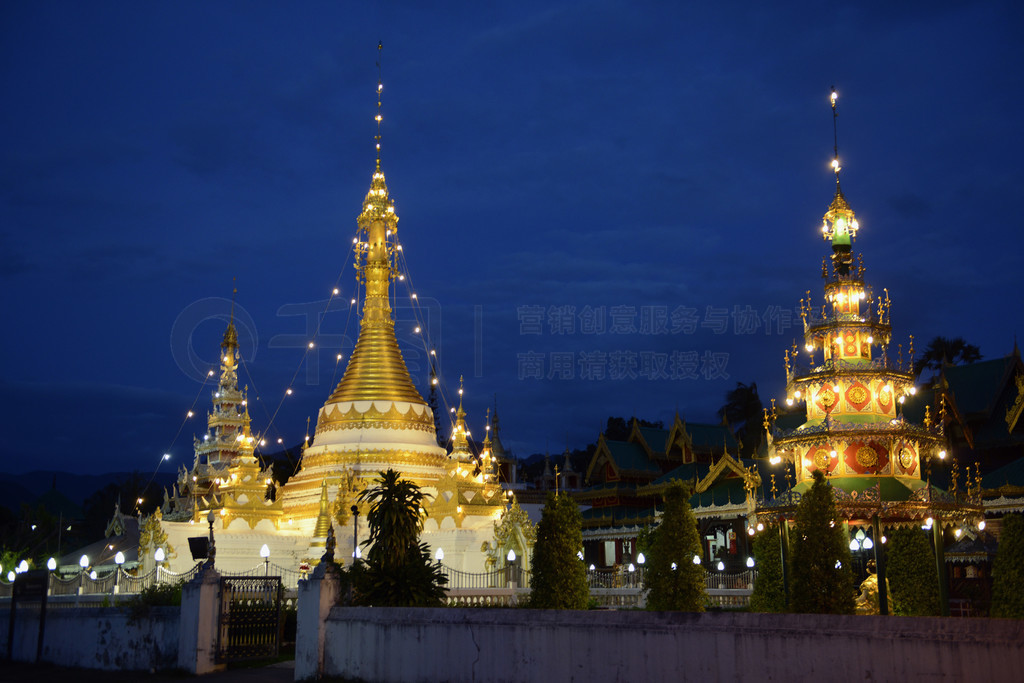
(481, 645)
(96, 637)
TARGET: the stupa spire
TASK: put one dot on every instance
(460, 444)
(839, 223)
(376, 369)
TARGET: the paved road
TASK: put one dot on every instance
(283, 672)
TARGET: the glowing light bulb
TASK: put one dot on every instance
(417, 331)
(835, 164)
(809, 347)
(871, 339)
(414, 295)
(789, 401)
(189, 414)
(339, 356)
(353, 302)
(280, 440)
(750, 562)
(867, 544)
(942, 455)
(288, 392)
(696, 559)
(335, 291)
(310, 344)
(981, 525)
(835, 95)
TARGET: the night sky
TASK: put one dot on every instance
(583, 188)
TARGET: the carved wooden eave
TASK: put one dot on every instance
(1013, 413)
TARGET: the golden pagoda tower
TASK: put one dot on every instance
(876, 460)
(376, 419)
(225, 476)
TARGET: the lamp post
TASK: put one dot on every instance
(159, 556)
(355, 533)
(212, 552)
(439, 555)
(265, 554)
(83, 562)
(118, 560)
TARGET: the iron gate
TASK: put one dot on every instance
(250, 618)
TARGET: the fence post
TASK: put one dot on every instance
(317, 595)
(200, 622)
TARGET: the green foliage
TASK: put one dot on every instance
(910, 572)
(674, 542)
(157, 595)
(418, 582)
(559, 577)
(769, 587)
(398, 571)
(821, 571)
(1008, 570)
(743, 410)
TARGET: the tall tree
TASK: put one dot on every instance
(769, 587)
(1008, 570)
(559, 577)
(744, 411)
(821, 571)
(398, 570)
(910, 570)
(672, 581)
(942, 350)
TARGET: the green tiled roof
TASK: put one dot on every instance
(1011, 474)
(685, 472)
(630, 456)
(711, 436)
(655, 438)
(722, 492)
(618, 515)
(976, 386)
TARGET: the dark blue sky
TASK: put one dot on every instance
(635, 160)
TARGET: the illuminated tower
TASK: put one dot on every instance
(846, 378)
(225, 476)
(375, 419)
(877, 461)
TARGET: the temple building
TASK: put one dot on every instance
(374, 420)
(853, 386)
(625, 481)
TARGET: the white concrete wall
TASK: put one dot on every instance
(381, 644)
(96, 637)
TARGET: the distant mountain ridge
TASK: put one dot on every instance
(27, 487)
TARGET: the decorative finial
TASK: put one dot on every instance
(835, 136)
(380, 87)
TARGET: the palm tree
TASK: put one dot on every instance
(942, 351)
(398, 570)
(743, 410)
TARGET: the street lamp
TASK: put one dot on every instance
(640, 559)
(83, 562)
(750, 562)
(118, 560)
(159, 555)
(23, 567)
(355, 533)
(51, 564)
(439, 555)
(265, 554)
(212, 552)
